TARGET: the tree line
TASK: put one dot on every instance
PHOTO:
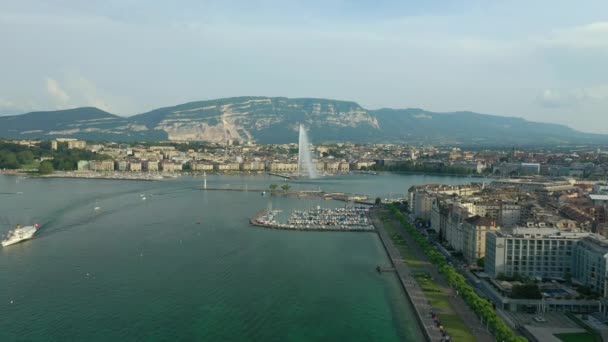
(408, 166)
(15, 156)
(482, 307)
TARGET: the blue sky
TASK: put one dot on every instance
(541, 60)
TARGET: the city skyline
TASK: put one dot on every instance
(504, 59)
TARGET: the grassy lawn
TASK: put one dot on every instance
(439, 300)
(452, 322)
(30, 166)
(456, 328)
(576, 337)
(433, 293)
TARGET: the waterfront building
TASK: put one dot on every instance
(420, 198)
(135, 165)
(277, 166)
(520, 169)
(439, 216)
(590, 258)
(201, 166)
(421, 203)
(531, 185)
(227, 166)
(531, 252)
(332, 166)
(474, 238)
(122, 165)
(344, 167)
(101, 165)
(170, 166)
(360, 164)
(454, 230)
(150, 165)
(255, 165)
(506, 214)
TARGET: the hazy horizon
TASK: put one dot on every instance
(543, 61)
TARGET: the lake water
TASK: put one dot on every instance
(184, 264)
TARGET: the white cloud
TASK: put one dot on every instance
(599, 92)
(573, 97)
(593, 35)
(553, 98)
(58, 95)
(88, 92)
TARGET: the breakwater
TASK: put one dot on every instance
(337, 196)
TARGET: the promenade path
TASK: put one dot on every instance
(413, 291)
(457, 305)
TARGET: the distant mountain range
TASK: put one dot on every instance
(276, 120)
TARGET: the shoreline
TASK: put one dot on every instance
(412, 290)
(336, 196)
(286, 176)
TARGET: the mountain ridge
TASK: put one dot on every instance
(276, 120)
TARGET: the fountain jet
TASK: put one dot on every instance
(306, 168)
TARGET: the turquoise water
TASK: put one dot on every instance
(185, 265)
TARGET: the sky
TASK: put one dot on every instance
(543, 60)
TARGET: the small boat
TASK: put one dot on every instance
(97, 208)
(19, 234)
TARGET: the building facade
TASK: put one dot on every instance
(474, 238)
(590, 257)
(531, 252)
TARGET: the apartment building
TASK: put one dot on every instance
(474, 238)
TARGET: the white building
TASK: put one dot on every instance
(590, 257)
(531, 252)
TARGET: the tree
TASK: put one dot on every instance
(481, 262)
(378, 201)
(25, 157)
(45, 167)
(273, 187)
(8, 160)
(285, 187)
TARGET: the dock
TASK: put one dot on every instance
(381, 269)
(337, 196)
(282, 175)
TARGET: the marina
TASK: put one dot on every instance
(354, 219)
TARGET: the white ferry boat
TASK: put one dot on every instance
(19, 234)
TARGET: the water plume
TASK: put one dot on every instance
(306, 168)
